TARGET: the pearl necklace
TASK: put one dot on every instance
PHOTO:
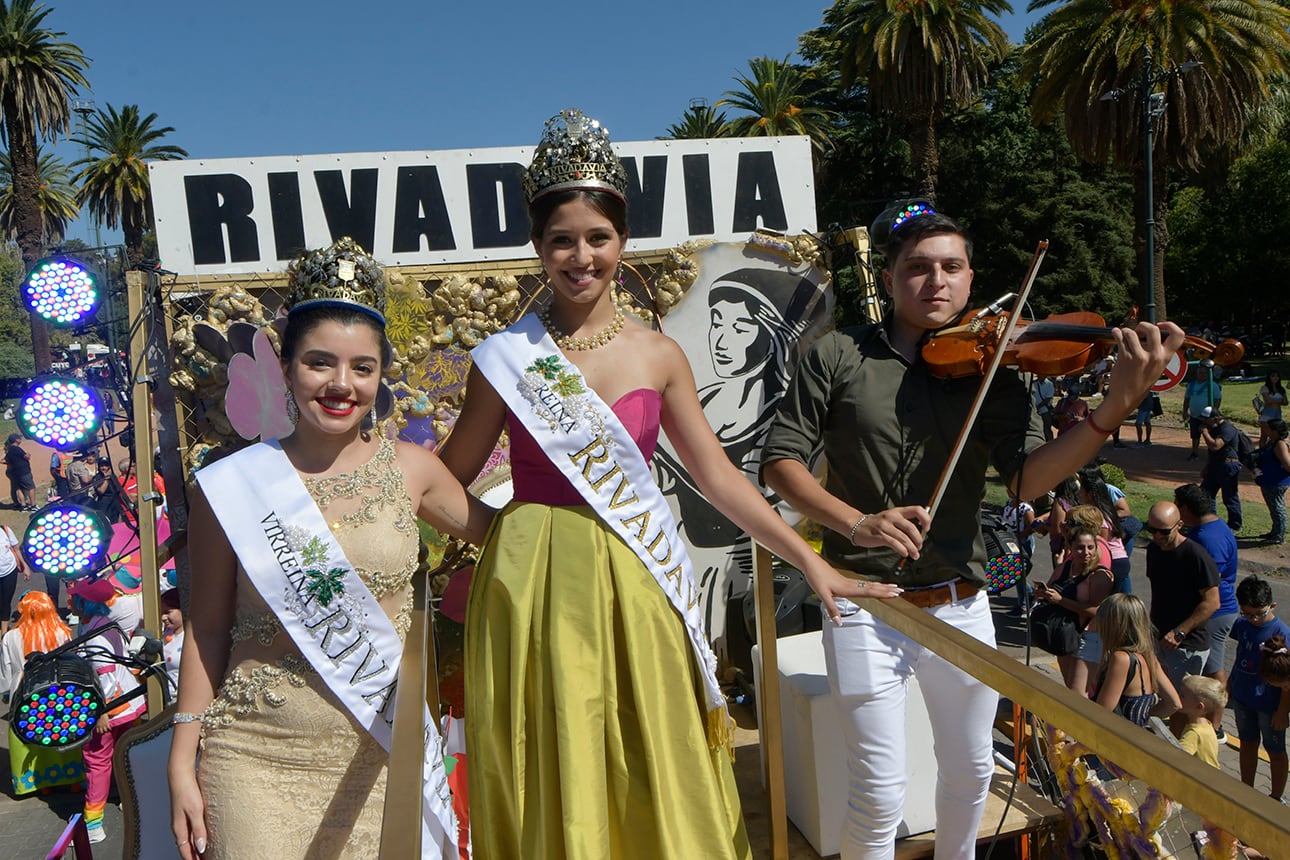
(599, 339)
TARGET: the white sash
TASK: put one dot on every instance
(589, 445)
(293, 559)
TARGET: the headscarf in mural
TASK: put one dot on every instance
(743, 325)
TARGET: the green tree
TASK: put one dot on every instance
(866, 168)
(779, 99)
(1013, 183)
(38, 72)
(922, 59)
(1085, 49)
(114, 178)
(699, 122)
(56, 197)
(1226, 252)
(15, 328)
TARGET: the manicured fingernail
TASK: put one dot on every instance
(200, 845)
(837, 620)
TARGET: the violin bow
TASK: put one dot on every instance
(996, 361)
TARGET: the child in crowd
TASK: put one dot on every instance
(1202, 698)
(100, 606)
(1131, 682)
(1020, 517)
(1260, 707)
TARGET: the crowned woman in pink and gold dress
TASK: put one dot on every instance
(595, 725)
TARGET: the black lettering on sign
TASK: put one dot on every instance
(216, 202)
(492, 226)
(757, 194)
(645, 188)
(288, 217)
(698, 194)
(353, 215)
(419, 210)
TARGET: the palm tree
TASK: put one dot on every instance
(1085, 49)
(779, 98)
(922, 60)
(56, 198)
(38, 72)
(114, 177)
(699, 122)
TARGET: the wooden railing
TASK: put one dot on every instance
(1252, 816)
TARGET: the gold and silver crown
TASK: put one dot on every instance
(574, 153)
(340, 274)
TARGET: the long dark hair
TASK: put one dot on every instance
(1090, 479)
(1279, 388)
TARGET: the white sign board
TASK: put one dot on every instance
(247, 215)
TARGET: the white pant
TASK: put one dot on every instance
(869, 665)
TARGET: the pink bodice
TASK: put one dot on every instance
(535, 478)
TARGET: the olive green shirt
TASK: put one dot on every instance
(886, 429)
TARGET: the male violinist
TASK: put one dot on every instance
(887, 426)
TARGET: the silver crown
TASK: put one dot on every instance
(574, 152)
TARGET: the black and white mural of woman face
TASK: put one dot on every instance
(738, 334)
(744, 323)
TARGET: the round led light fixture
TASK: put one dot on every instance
(62, 291)
(57, 703)
(60, 412)
(66, 541)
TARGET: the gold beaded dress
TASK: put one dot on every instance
(285, 770)
(585, 712)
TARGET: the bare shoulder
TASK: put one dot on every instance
(655, 352)
(642, 337)
(408, 454)
(1118, 659)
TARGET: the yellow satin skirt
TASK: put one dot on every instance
(585, 723)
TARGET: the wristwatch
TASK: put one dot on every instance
(1179, 634)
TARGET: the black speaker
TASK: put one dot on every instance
(797, 610)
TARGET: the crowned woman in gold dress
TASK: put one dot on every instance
(302, 552)
(595, 726)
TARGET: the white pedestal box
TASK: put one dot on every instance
(815, 755)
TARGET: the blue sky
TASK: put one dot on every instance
(237, 78)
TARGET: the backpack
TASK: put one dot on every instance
(1245, 451)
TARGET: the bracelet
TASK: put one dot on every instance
(185, 717)
(1090, 422)
(856, 525)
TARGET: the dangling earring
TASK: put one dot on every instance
(368, 424)
(293, 411)
(618, 286)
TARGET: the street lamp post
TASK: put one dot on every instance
(1153, 105)
(1149, 195)
(85, 107)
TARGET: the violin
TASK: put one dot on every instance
(1058, 345)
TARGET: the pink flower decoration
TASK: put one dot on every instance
(256, 399)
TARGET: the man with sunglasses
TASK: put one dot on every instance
(1204, 526)
(1184, 593)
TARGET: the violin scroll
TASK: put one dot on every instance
(1228, 353)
